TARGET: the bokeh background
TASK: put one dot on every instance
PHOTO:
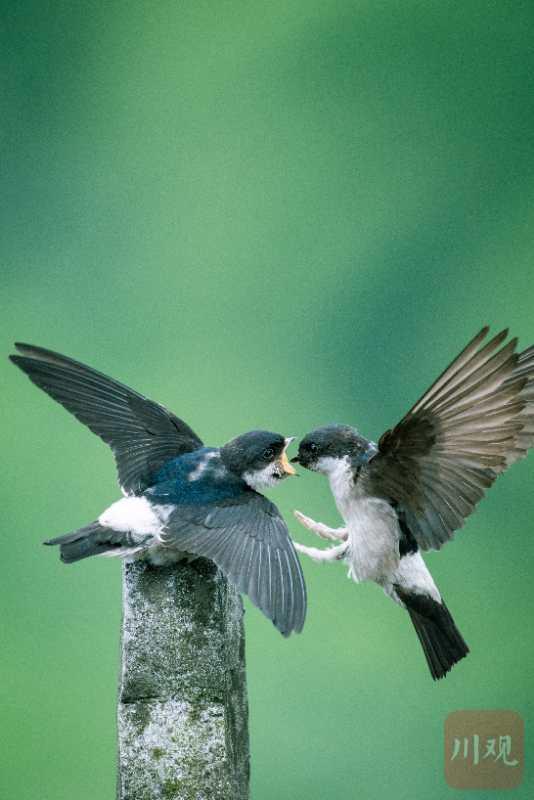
(262, 215)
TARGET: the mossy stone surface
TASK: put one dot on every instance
(182, 712)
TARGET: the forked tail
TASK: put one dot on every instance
(442, 642)
(95, 540)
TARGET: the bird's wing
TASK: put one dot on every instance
(525, 439)
(142, 434)
(466, 429)
(249, 541)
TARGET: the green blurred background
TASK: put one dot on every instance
(262, 215)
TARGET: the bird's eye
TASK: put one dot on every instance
(268, 453)
(312, 447)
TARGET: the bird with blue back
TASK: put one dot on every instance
(413, 489)
(181, 499)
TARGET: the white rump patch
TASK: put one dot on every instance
(137, 515)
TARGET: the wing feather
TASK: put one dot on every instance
(475, 420)
(249, 541)
(143, 435)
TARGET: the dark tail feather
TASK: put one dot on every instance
(442, 642)
(92, 540)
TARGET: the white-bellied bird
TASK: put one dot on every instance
(413, 489)
(180, 497)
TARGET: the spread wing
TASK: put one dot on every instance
(474, 421)
(249, 541)
(525, 439)
(142, 434)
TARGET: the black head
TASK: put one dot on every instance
(332, 442)
(258, 457)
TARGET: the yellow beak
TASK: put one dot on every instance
(286, 466)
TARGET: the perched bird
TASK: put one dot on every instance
(180, 497)
(413, 489)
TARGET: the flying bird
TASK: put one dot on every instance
(415, 488)
(180, 496)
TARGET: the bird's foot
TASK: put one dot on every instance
(322, 530)
(321, 556)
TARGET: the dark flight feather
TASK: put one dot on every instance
(142, 434)
(475, 420)
(525, 439)
(249, 541)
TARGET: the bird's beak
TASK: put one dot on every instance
(295, 460)
(286, 467)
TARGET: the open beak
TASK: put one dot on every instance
(285, 466)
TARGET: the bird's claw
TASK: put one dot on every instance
(308, 522)
(320, 529)
(330, 554)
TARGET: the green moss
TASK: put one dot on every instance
(157, 753)
(141, 716)
(141, 686)
(170, 789)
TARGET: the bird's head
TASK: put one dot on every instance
(325, 448)
(259, 458)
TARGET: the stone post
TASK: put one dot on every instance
(182, 710)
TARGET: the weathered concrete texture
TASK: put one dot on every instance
(182, 712)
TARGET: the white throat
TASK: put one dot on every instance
(339, 474)
(262, 479)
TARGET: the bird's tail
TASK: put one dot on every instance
(95, 540)
(442, 642)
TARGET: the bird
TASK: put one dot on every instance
(413, 489)
(180, 498)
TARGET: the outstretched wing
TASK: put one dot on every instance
(249, 541)
(474, 421)
(142, 434)
(525, 439)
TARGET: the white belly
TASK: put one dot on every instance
(373, 539)
(373, 530)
